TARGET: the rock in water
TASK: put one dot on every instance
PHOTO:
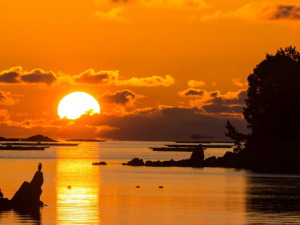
(28, 195)
(36, 184)
(197, 157)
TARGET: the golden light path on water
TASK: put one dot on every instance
(77, 187)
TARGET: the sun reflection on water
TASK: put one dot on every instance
(77, 189)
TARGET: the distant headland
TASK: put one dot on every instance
(38, 137)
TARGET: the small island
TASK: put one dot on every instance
(36, 142)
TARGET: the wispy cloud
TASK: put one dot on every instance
(171, 4)
(101, 77)
(213, 102)
(17, 75)
(6, 98)
(238, 82)
(112, 77)
(261, 12)
(154, 81)
(115, 14)
(195, 84)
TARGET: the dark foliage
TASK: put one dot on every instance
(272, 112)
(273, 103)
(237, 137)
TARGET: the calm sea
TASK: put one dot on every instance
(76, 192)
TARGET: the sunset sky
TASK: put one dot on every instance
(160, 69)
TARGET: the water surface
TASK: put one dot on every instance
(76, 192)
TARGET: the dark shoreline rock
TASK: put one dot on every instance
(196, 160)
(28, 195)
(287, 164)
(99, 163)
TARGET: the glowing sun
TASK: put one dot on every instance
(76, 104)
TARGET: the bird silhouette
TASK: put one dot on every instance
(40, 166)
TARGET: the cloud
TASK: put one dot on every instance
(261, 12)
(192, 92)
(195, 84)
(238, 83)
(92, 77)
(3, 114)
(6, 98)
(230, 103)
(154, 81)
(170, 4)
(161, 123)
(282, 12)
(120, 97)
(39, 76)
(112, 78)
(11, 75)
(175, 4)
(213, 102)
(16, 75)
(114, 14)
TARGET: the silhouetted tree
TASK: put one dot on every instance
(237, 137)
(273, 111)
(273, 101)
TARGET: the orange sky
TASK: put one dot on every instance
(160, 69)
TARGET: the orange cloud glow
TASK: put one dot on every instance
(153, 81)
(195, 84)
(6, 98)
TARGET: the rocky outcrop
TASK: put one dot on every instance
(135, 162)
(229, 160)
(99, 163)
(28, 195)
(196, 160)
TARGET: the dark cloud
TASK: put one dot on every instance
(119, 97)
(214, 94)
(161, 124)
(278, 12)
(221, 104)
(216, 108)
(192, 92)
(9, 77)
(39, 76)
